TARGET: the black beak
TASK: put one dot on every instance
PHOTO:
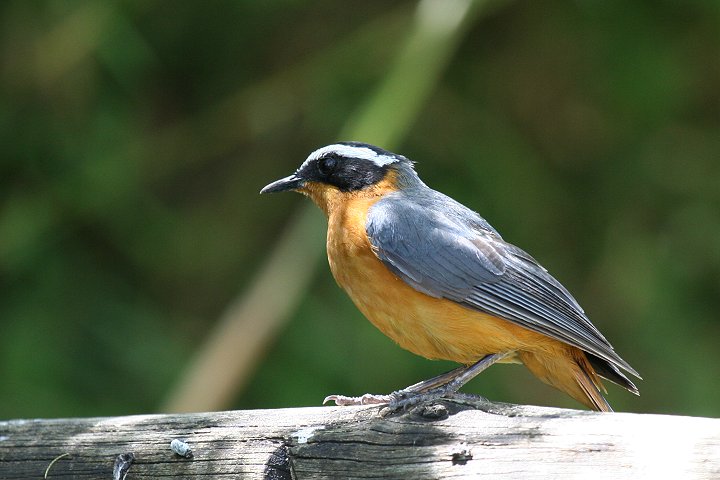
(291, 182)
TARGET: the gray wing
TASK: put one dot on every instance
(445, 250)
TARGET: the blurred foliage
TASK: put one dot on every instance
(136, 136)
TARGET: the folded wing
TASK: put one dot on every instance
(441, 248)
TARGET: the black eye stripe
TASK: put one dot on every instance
(327, 164)
(346, 173)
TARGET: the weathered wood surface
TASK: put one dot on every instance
(462, 438)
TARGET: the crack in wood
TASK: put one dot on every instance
(278, 466)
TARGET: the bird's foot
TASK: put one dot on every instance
(442, 386)
(405, 400)
(367, 399)
(395, 401)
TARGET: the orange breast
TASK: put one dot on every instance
(430, 327)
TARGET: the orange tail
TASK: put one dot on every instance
(569, 370)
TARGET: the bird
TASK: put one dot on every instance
(439, 280)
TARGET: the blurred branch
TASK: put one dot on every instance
(94, 195)
(236, 119)
(439, 26)
(234, 347)
(225, 361)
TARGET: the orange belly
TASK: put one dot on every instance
(427, 326)
(432, 327)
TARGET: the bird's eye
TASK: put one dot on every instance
(327, 165)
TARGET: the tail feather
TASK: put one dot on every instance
(592, 393)
(569, 370)
(610, 372)
(590, 384)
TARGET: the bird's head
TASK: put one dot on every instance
(337, 172)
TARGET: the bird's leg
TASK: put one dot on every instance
(404, 399)
(435, 382)
(437, 387)
(420, 387)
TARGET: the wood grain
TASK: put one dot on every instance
(460, 438)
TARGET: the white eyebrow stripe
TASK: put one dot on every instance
(349, 151)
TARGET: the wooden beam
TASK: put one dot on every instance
(460, 438)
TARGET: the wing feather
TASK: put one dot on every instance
(441, 248)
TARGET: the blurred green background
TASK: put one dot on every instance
(136, 136)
